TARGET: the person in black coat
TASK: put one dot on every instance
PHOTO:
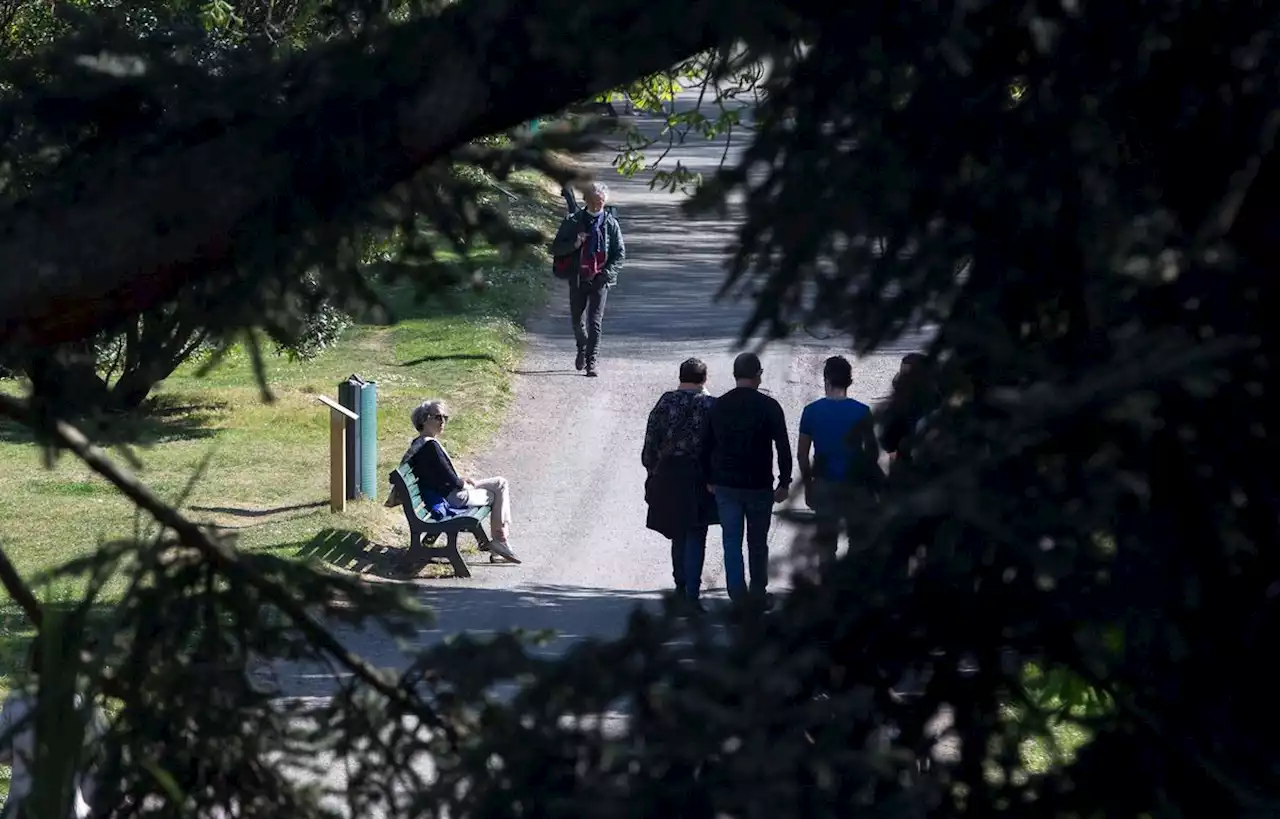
(680, 507)
(915, 395)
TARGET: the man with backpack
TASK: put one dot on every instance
(588, 252)
(838, 456)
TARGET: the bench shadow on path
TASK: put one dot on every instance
(573, 613)
(352, 552)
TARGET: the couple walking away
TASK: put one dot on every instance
(710, 461)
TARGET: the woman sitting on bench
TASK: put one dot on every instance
(434, 470)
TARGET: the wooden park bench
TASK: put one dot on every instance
(424, 530)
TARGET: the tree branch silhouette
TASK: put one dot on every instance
(18, 590)
(217, 552)
(150, 224)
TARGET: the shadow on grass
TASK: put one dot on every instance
(427, 359)
(161, 419)
(352, 552)
(259, 513)
(565, 371)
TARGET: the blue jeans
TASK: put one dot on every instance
(755, 507)
(687, 555)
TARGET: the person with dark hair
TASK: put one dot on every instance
(680, 507)
(839, 431)
(744, 428)
(915, 395)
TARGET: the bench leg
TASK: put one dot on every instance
(455, 557)
(482, 540)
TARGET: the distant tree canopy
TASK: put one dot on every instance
(120, 366)
(117, 369)
(1081, 196)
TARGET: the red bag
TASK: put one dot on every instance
(564, 267)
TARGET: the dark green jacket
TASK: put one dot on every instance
(615, 249)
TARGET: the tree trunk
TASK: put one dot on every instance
(157, 347)
(134, 385)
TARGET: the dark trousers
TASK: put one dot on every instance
(586, 300)
(831, 502)
(688, 553)
(748, 511)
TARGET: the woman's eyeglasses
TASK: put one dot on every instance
(443, 418)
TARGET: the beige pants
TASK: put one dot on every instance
(488, 492)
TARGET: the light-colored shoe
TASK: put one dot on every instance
(502, 549)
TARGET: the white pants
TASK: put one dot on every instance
(488, 492)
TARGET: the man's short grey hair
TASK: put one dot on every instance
(424, 411)
(599, 189)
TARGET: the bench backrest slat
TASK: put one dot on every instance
(416, 507)
(413, 500)
(410, 484)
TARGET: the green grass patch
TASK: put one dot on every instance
(266, 478)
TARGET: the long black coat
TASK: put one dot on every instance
(678, 498)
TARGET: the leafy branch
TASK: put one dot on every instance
(13, 583)
(727, 81)
(214, 549)
(214, 179)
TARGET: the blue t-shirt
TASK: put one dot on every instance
(828, 421)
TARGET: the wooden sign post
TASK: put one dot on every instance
(338, 416)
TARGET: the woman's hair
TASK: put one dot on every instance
(916, 384)
(915, 370)
(424, 411)
(693, 371)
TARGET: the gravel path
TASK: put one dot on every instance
(571, 445)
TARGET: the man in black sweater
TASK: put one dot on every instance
(745, 425)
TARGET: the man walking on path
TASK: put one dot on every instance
(680, 507)
(589, 252)
(840, 432)
(745, 427)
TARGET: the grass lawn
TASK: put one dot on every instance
(267, 471)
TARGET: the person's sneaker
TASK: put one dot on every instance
(503, 550)
(591, 369)
(580, 361)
